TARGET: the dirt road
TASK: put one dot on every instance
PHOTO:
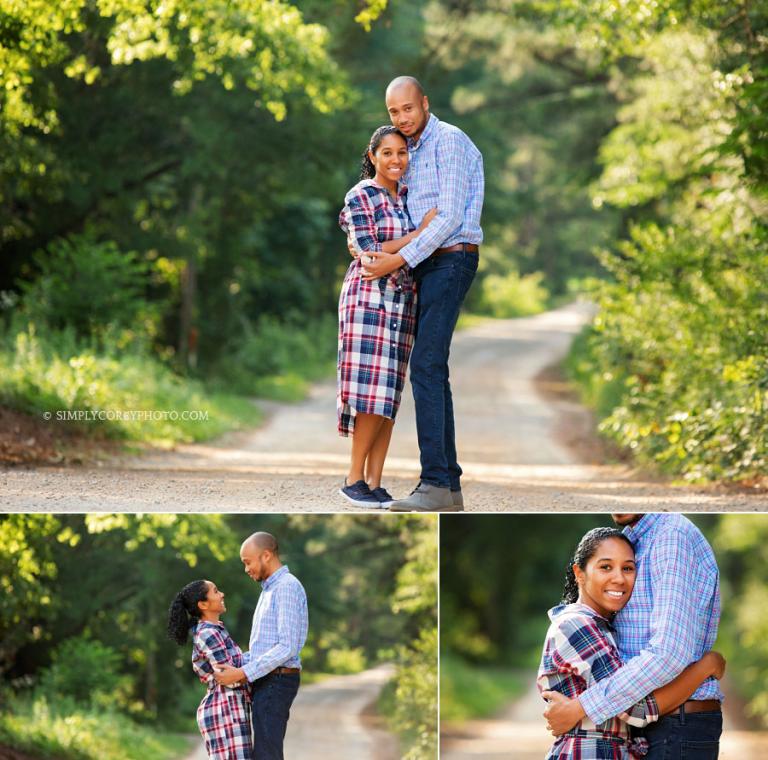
(520, 451)
(519, 733)
(330, 720)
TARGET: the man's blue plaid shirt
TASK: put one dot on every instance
(445, 171)
(280, 625)
(670, 620)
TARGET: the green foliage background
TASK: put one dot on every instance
(83, 636)
(500, 574)
(170, 176)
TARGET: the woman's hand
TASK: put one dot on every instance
(380, 264)
(428, 217)
(717, 661)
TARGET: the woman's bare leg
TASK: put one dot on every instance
(366, 431)
(374, 464)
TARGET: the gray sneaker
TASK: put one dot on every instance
(427, 498)
(458, 500)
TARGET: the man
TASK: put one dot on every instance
(272, 665)
(445, 171)
(670, 621)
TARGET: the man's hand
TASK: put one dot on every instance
(562, 713)
(226, 675)
(351, 248)
(718, 663)
(383, 264)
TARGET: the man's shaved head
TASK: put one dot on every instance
(407, 106)
(261, 541)
(401, 82)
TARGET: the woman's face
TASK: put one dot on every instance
(608, 578)
(390, 157)
(214, 600)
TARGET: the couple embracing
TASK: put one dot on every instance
(413, 227)
(627, 667)
(244, 712)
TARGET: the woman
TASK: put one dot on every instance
(224, 714)
(580, 650)
(377, 317)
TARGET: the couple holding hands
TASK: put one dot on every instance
(244, 713)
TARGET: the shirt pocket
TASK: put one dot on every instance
(370, 295)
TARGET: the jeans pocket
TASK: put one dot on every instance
(692, 750)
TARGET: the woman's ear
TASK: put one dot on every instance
(579, 573)
(371, 158)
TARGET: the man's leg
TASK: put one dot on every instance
(685, 736)
(466, 275)
(273, 696)
(443, 284)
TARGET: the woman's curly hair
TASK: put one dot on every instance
(584, 552)
(367, 169)
(184, 612)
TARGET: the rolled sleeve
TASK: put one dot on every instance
(672, 644)
(358, 220)
(453, 172)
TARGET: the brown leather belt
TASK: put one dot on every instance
(468, 247)
(282, 671)
(697, 706)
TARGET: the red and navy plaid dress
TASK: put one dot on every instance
(224, 714)
(579, 651)
(377, 319)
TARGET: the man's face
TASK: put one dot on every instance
(408, 111)
(625, 519)
(255, 562)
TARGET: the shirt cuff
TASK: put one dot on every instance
(253, 671)
(411, 254)
(593, 706)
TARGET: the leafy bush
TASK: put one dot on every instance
(414, 710)
(57, 373)
(343, 661)
(677, 361)
(88, 286)
(512, 295)
(275, 359)
(71, 733)
(85, 670)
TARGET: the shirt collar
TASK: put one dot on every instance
(642, 527)
(582, 609)
(279, 573)
(201, 623)
(402, 188)
(431, 127)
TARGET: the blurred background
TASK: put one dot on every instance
(88, 673)
(171, 175)
(499, 574)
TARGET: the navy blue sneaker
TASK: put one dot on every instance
(386, 500)
(360, 495)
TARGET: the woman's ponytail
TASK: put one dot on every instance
(184, 612)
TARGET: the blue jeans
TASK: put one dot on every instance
(443, 282)
(693, 736)
(272, 697)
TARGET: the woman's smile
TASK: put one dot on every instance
(608, 578)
